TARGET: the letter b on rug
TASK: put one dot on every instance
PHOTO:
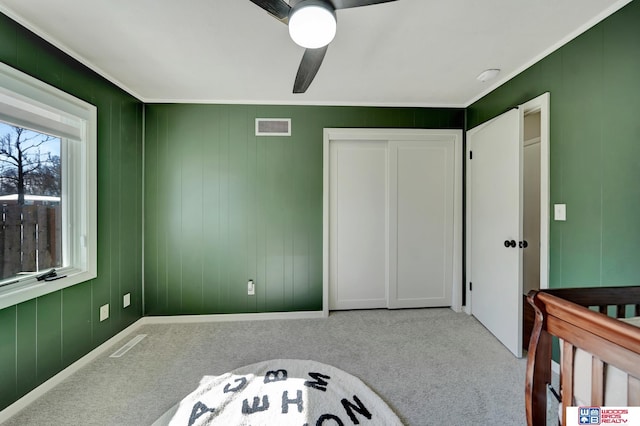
(311, 394)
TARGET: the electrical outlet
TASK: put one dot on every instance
(104, 312)
(251, 288)
(126, 300)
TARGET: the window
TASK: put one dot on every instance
(30, 202)
(47, 188)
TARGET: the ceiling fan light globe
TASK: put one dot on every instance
(312, 26)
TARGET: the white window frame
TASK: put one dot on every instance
(33, 104)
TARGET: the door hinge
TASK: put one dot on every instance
(470, 155)
(470, 286)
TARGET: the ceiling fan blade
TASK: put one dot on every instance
(278, 8)
(345, 4)
(309, 66)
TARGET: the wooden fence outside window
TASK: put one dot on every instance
(30, 239)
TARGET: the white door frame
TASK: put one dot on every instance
(397, 135)
(541, 104)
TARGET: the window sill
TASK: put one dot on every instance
(31, 288)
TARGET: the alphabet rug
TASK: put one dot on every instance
(281, 392)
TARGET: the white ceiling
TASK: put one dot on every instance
(403, 53)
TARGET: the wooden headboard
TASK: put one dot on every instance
(564, 313)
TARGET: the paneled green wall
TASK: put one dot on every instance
(40, 337)
(594, 83)
(223, 206)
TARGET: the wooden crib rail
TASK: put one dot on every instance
(560, 312)
(602, 298)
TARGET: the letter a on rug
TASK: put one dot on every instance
(281, 392)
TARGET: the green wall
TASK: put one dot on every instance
(40, 337)
(223, 206)
(594, 82)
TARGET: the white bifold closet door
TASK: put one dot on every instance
(391, 222)
(421, 189)
(358, 221)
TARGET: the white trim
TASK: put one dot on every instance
(143, 129)
(295, 102)
(81, 186)
(397, 135)
(261, 316)
(580, 30)
(63, 47)
(29, 115)
(325, 222)
(542, 104)
(53, 102)
(84, 61)
(107, 346)
(148, 100)
(45, 387)
(456, 295)
(467, 223)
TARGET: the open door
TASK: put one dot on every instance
(495, 186)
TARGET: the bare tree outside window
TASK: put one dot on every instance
(30, 195)
(27, 163)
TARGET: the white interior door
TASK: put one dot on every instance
(358, 224)
(496, 226)
(421, 204)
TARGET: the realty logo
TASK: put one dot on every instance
(589, 416)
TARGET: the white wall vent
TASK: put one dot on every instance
(273, 127)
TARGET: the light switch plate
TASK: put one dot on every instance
(104, 312)
(560, 212)
(126, 300)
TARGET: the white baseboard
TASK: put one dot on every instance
(185, 319)
(36, 393)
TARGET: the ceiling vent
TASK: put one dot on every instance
(273, 127)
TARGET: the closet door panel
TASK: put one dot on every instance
(421, 189)
(358, 237)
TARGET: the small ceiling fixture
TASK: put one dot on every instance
(312, 24)
(488, 74)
